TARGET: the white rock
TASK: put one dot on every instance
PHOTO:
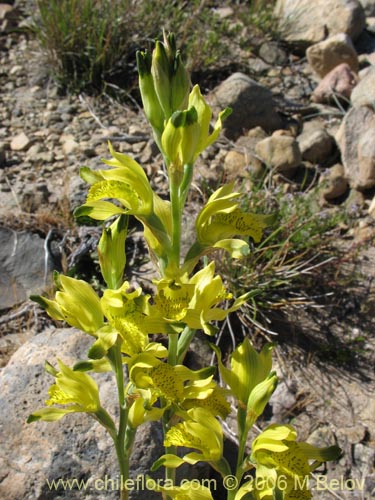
(280, 152)
(364, 92)
(355, 139)
(307, 22)
(371, 209)
(20, 142)
(326, 55)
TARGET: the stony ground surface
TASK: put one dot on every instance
(326, 355)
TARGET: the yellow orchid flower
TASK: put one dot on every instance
(188, 490)
(141, 406)
(167, 381)
(76, 303)
(282, 462)
(173, 298)
(212, 399)
(201, 431)
(77, 390)
(194, 301)
(209, 293)
(220, 220)
(126, 313)
(128, 183)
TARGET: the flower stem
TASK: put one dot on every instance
(122, 447)
(176, 222)
(186, 337)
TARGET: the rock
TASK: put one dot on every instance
(280, 153)
(238, 166)
(252, 105)
(223, 12)
(242, 161)
(272, 53)
(322, 437)
(25, 268)
(337, 84)
(369, 7)
(355, 139)
(365, 43)
(335, 183)
(235, 165)
(5, 9)
(76, 446)
(303, 22)
(258, 66)
(364, 457)
(315, 143)
(364, 93)
(371, 209)
(69, 145)
(283, 400)
(325, 56)
(20, 142)
(33, 197)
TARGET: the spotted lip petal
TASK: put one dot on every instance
(276, 452)
(202, 431)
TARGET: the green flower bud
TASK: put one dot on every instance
(150, 100)
(260, 396)
(180, 138)
(180, 85)
(111, 250)
(161, 70)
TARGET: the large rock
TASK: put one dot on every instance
(252, 105)
(355, 139)
(369, 6)
(334, 182)
(304, 22)
(338, 84)
(25, 266)
(315, 143)
(280, 153)
(75, 447)
(364, 93)
(326, 55)
(242, 162)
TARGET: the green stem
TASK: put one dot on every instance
(122, 450)
(240, 456)
(183, 343)
(172, 349)
(176, 223)
(185, 184)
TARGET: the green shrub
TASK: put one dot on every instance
(295, 263)
(84, 39)
(92, 43)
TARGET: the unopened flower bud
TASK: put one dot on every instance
(161, 71)
(150, 100)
